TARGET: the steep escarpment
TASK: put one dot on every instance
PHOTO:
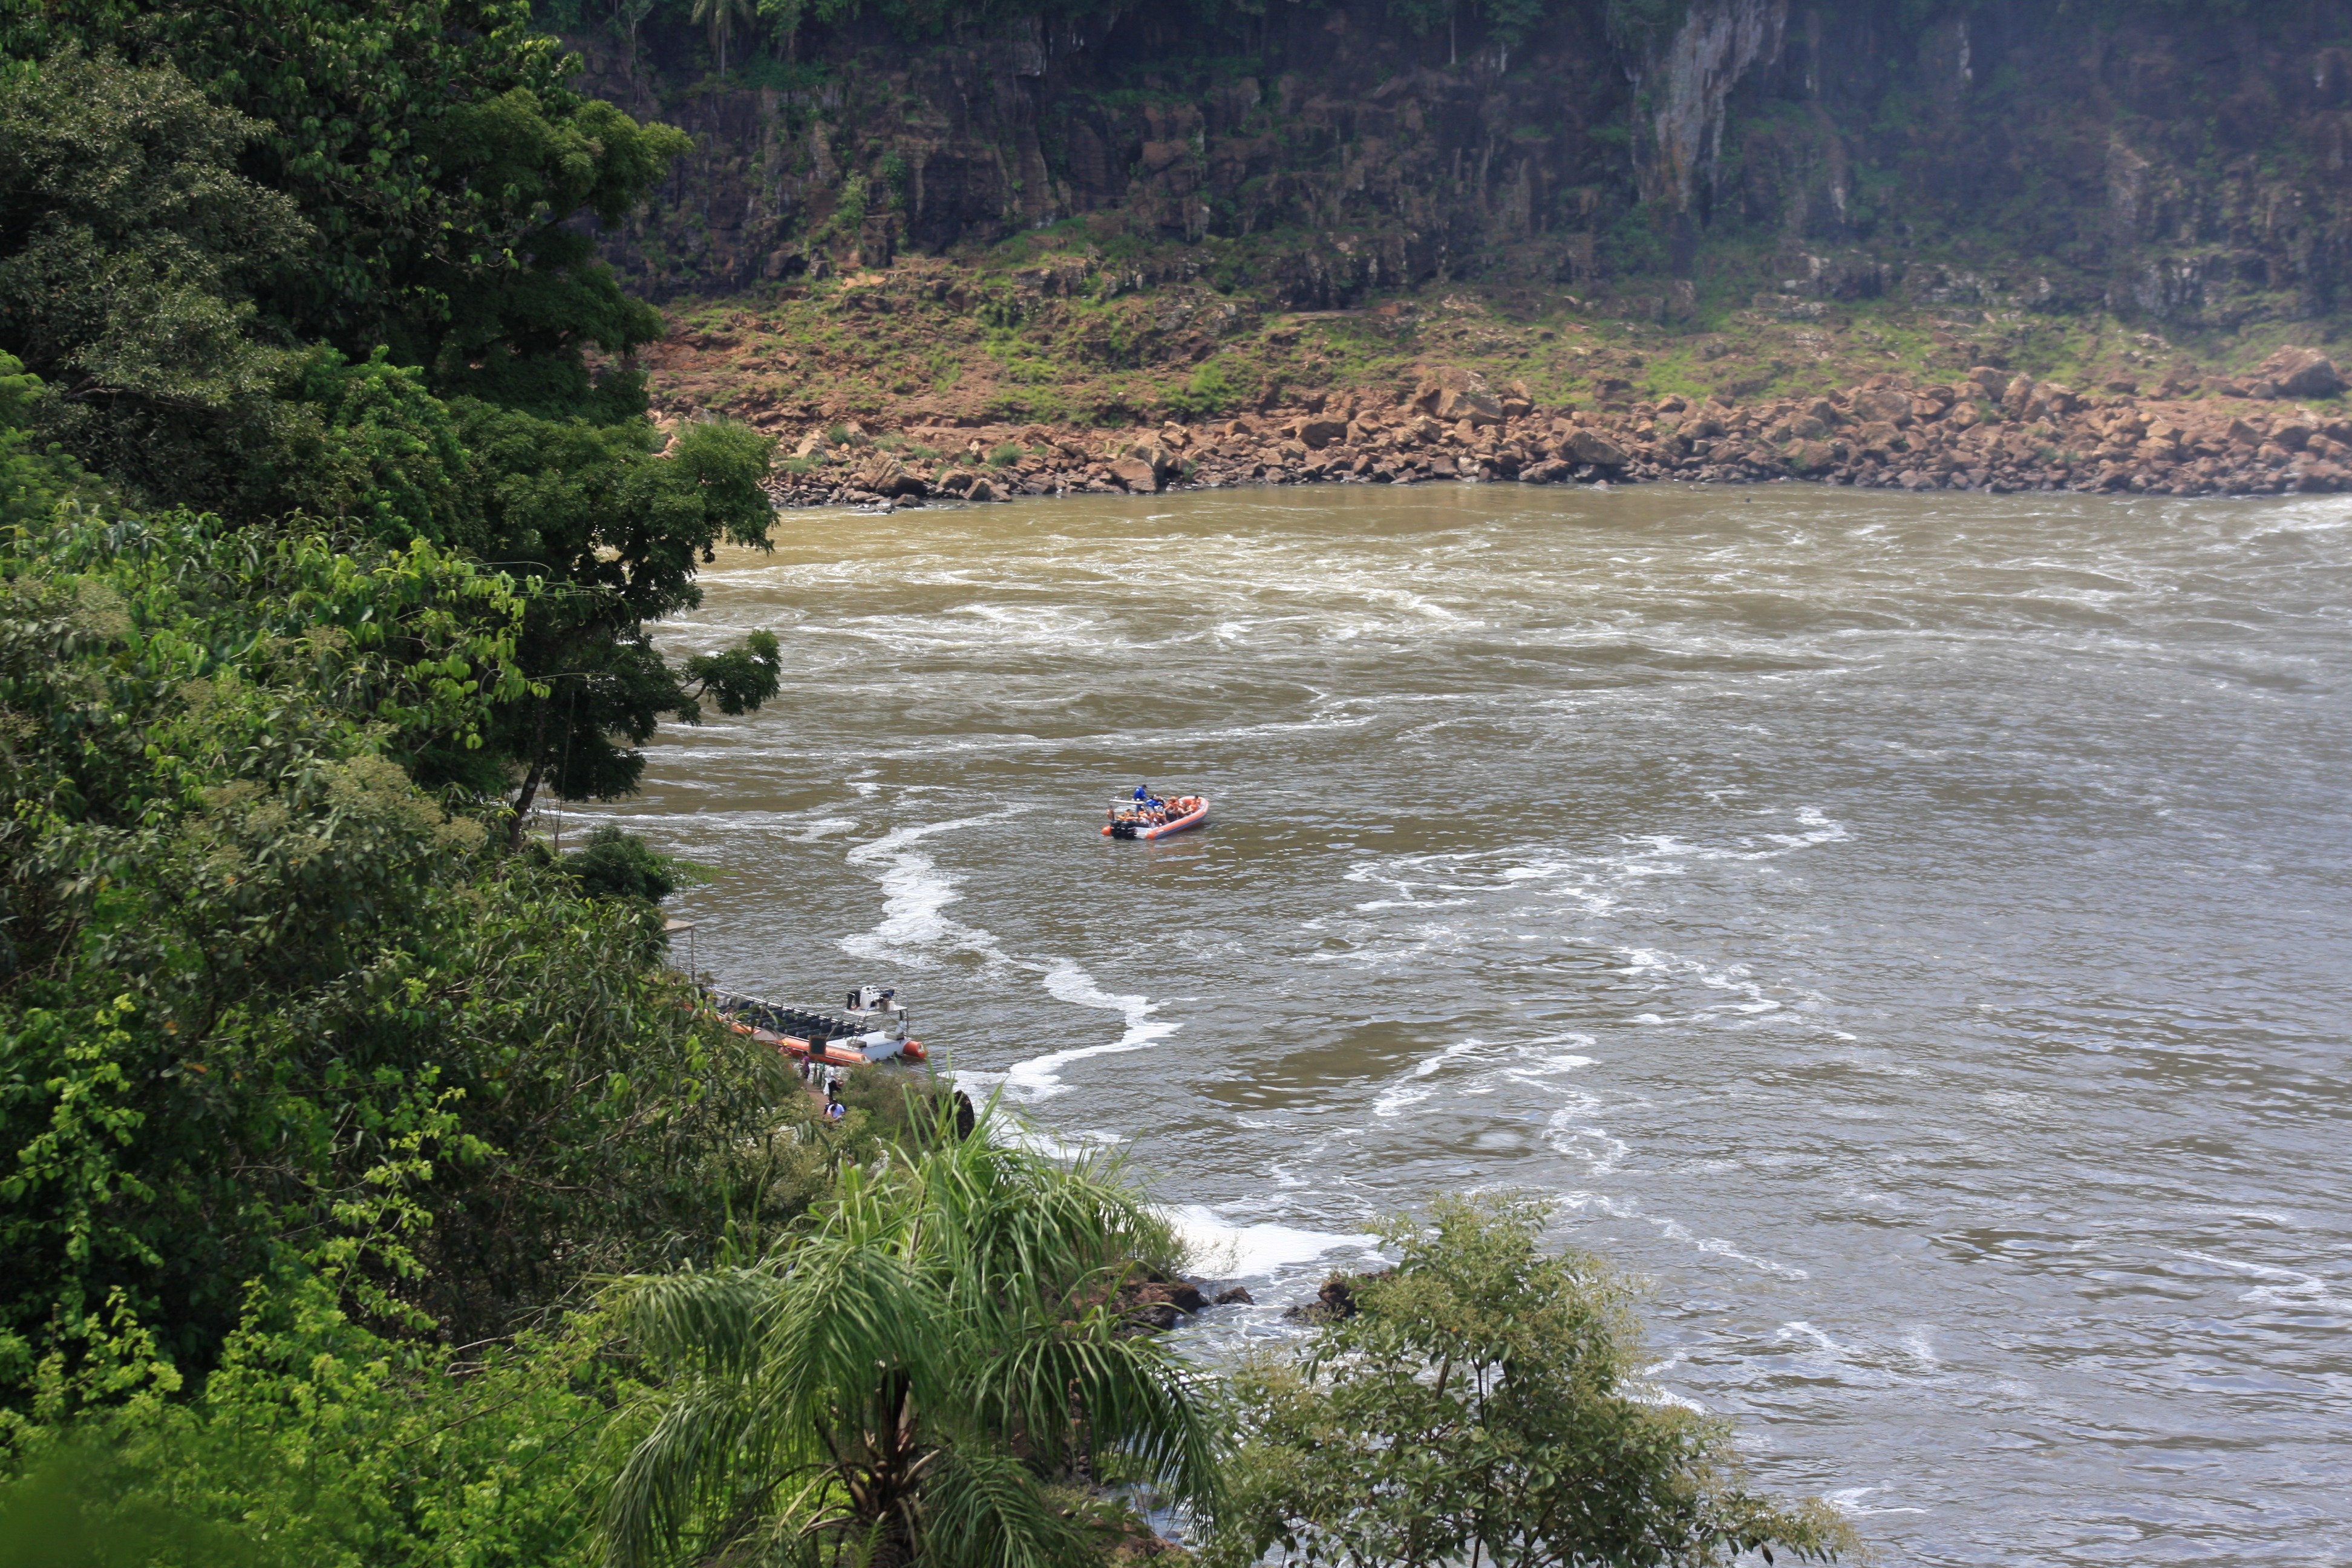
(1319, 157)
(2188, 163)
(2183, 163)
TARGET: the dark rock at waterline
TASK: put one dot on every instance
(1236, 1297)
(1180, 1294)
(1336, 1300)
(1159, 1315)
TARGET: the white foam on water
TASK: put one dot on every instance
(1735, 978)
(1672, 1229)
(1415, 1085)
(1847, 1501)
(1530, 1072)
(1602, 1150)
(1414, 1088)
(1041, 1077)
(1224, 1250)
(2290, 1287)
(914, 895)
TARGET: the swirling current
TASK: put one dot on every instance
(1912, 932)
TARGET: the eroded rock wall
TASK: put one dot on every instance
(2184, 163)
(2189, 163)
(1342, 155)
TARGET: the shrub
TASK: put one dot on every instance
(620, 865)
(1480, 1400)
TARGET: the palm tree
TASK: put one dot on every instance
(904, 1381)
(720, 16)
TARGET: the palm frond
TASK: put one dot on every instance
(941, 1338)
(985, 1509)
(715, 1317)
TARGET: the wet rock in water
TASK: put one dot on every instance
(1181, 1294)
(957, 481)
(1238, 1296)
(1159, 1315)
(1337, 1299)
(981, 491)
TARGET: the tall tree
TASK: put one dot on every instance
(721, 18)
(318, 256)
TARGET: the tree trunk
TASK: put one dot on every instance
(530, 779)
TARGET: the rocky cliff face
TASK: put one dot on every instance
(2172, 162)
(2181, 164)
(1327, 157)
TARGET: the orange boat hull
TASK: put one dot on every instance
(1191, 819)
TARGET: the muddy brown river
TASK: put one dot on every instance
(1914, 933)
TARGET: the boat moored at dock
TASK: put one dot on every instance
(870, 1027)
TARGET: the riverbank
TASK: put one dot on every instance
(1989, 430)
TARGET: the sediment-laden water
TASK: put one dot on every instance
(1913, 931)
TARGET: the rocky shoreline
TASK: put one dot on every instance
(1990, 430)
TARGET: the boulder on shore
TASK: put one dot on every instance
(886, 476)
(1590, 445)
(1135, 474)
(2302, 372)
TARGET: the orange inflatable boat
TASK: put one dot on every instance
(1156, 819)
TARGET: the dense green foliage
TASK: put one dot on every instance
(324, 537)
(617, 864)
(1481, 1404)
(313, 258)
(317, 1444)
(905, 1382)
(316, 1441)
(250, 973)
